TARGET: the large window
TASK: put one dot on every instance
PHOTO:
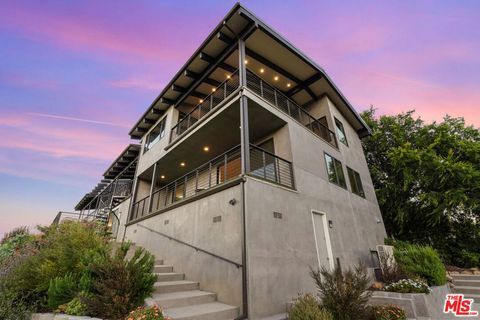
(335, 171)
(355, 182)
(341, 132)
(155, 135)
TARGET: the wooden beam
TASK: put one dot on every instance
(141, 130)
(156, 111)
(304, 84)
(148, 121)
(166, 101)
(195, 76)
(207, 58)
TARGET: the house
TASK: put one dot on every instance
(250, 171)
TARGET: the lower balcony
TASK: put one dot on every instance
(219, 170)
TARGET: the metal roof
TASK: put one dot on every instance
(240, 22)
(125, 158)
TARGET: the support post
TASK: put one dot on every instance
(152, 187)
(244, 130)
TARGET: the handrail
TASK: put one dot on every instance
(238, 265)
(275, 100)
(269, 153)
(198, 107)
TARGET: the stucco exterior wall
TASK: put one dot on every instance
(193, 224)
(122, 213)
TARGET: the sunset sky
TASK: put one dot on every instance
(76, 76)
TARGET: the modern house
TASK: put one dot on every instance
(250, 170)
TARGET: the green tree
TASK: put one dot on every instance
(427, 181)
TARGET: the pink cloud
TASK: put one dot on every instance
(24, 81)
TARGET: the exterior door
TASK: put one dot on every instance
(322, 240)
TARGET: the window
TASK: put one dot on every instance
(155, 135)
(355, 182)
(341, 132)
(335, 171)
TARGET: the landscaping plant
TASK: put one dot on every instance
(388, 312)
(344, 294)
(307, 307)
(147, 313)
(408, 286)
(421, 261)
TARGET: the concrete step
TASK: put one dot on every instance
(465, 290)
(183, 298)
(465, 277)
(170, 276)
(475, 297)
(206, 311)
(162, 268)
(466, 283)
(175, 286)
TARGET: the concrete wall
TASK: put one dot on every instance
(280, 251)
(193, 224)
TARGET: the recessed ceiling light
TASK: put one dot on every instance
(162, 177)
(182, 164)
(228, 76)
(289, 85)
(262, 70)
(206, 148)
(246, 61)
(275, 78)
(201, 100)
(214, 89)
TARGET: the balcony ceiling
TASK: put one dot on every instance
(216, 57)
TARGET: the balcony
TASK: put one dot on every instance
(288, 106)
(221, 169)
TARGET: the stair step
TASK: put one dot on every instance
(466, 290)
(170, 276)
(183, 298)
(175, 286)
(466, 283)
(206, 311)
(162, 268)
(465, 277)
(475, 297)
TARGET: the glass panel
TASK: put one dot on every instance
(341, 132)
(359, 185)
(156, 134)
(351, 178)
(340, 175)
(332, 177)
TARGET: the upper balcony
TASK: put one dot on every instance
(267, 91)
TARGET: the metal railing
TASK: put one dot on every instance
(270, 167)
(64, 215)
(224, 90)
(221, 169)
(290, 107)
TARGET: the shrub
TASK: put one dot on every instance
(152, 313)
(344, 294)
(421, 261)
(15, 232)
(14, 241)
(76, 307)
(408, 286)
(61, 290)
(388, 312)
(119, 285)
(307, 307)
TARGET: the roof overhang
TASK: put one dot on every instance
(265, 46)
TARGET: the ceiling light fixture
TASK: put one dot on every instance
(275, 78)
(228, 76)
(246, 61)
(201, 100)
(182, 164)
(289, 85)
(213, 89)
(206, 149)
(162, 177)
(262, 70)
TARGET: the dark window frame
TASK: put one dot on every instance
(356, 185)
(340, 128)
(149, 142)
(338, 180)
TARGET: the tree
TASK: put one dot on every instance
(427, 181)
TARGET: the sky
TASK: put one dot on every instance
(76, 75)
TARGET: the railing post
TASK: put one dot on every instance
(210, 174)
(261, 87)
(225, 168)
(275, 97)
(264, 165)
(185, 187)
(152, 187)
(196, 180)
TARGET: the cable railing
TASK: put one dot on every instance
(290, 107)
(225, 89)
(264, 165)
(270, 167)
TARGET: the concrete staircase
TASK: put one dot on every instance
(183, 300)
(468, 284)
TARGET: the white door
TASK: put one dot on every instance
(322, 240)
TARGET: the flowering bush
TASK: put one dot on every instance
(388, 312)
(151, 313)
(408, 286)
